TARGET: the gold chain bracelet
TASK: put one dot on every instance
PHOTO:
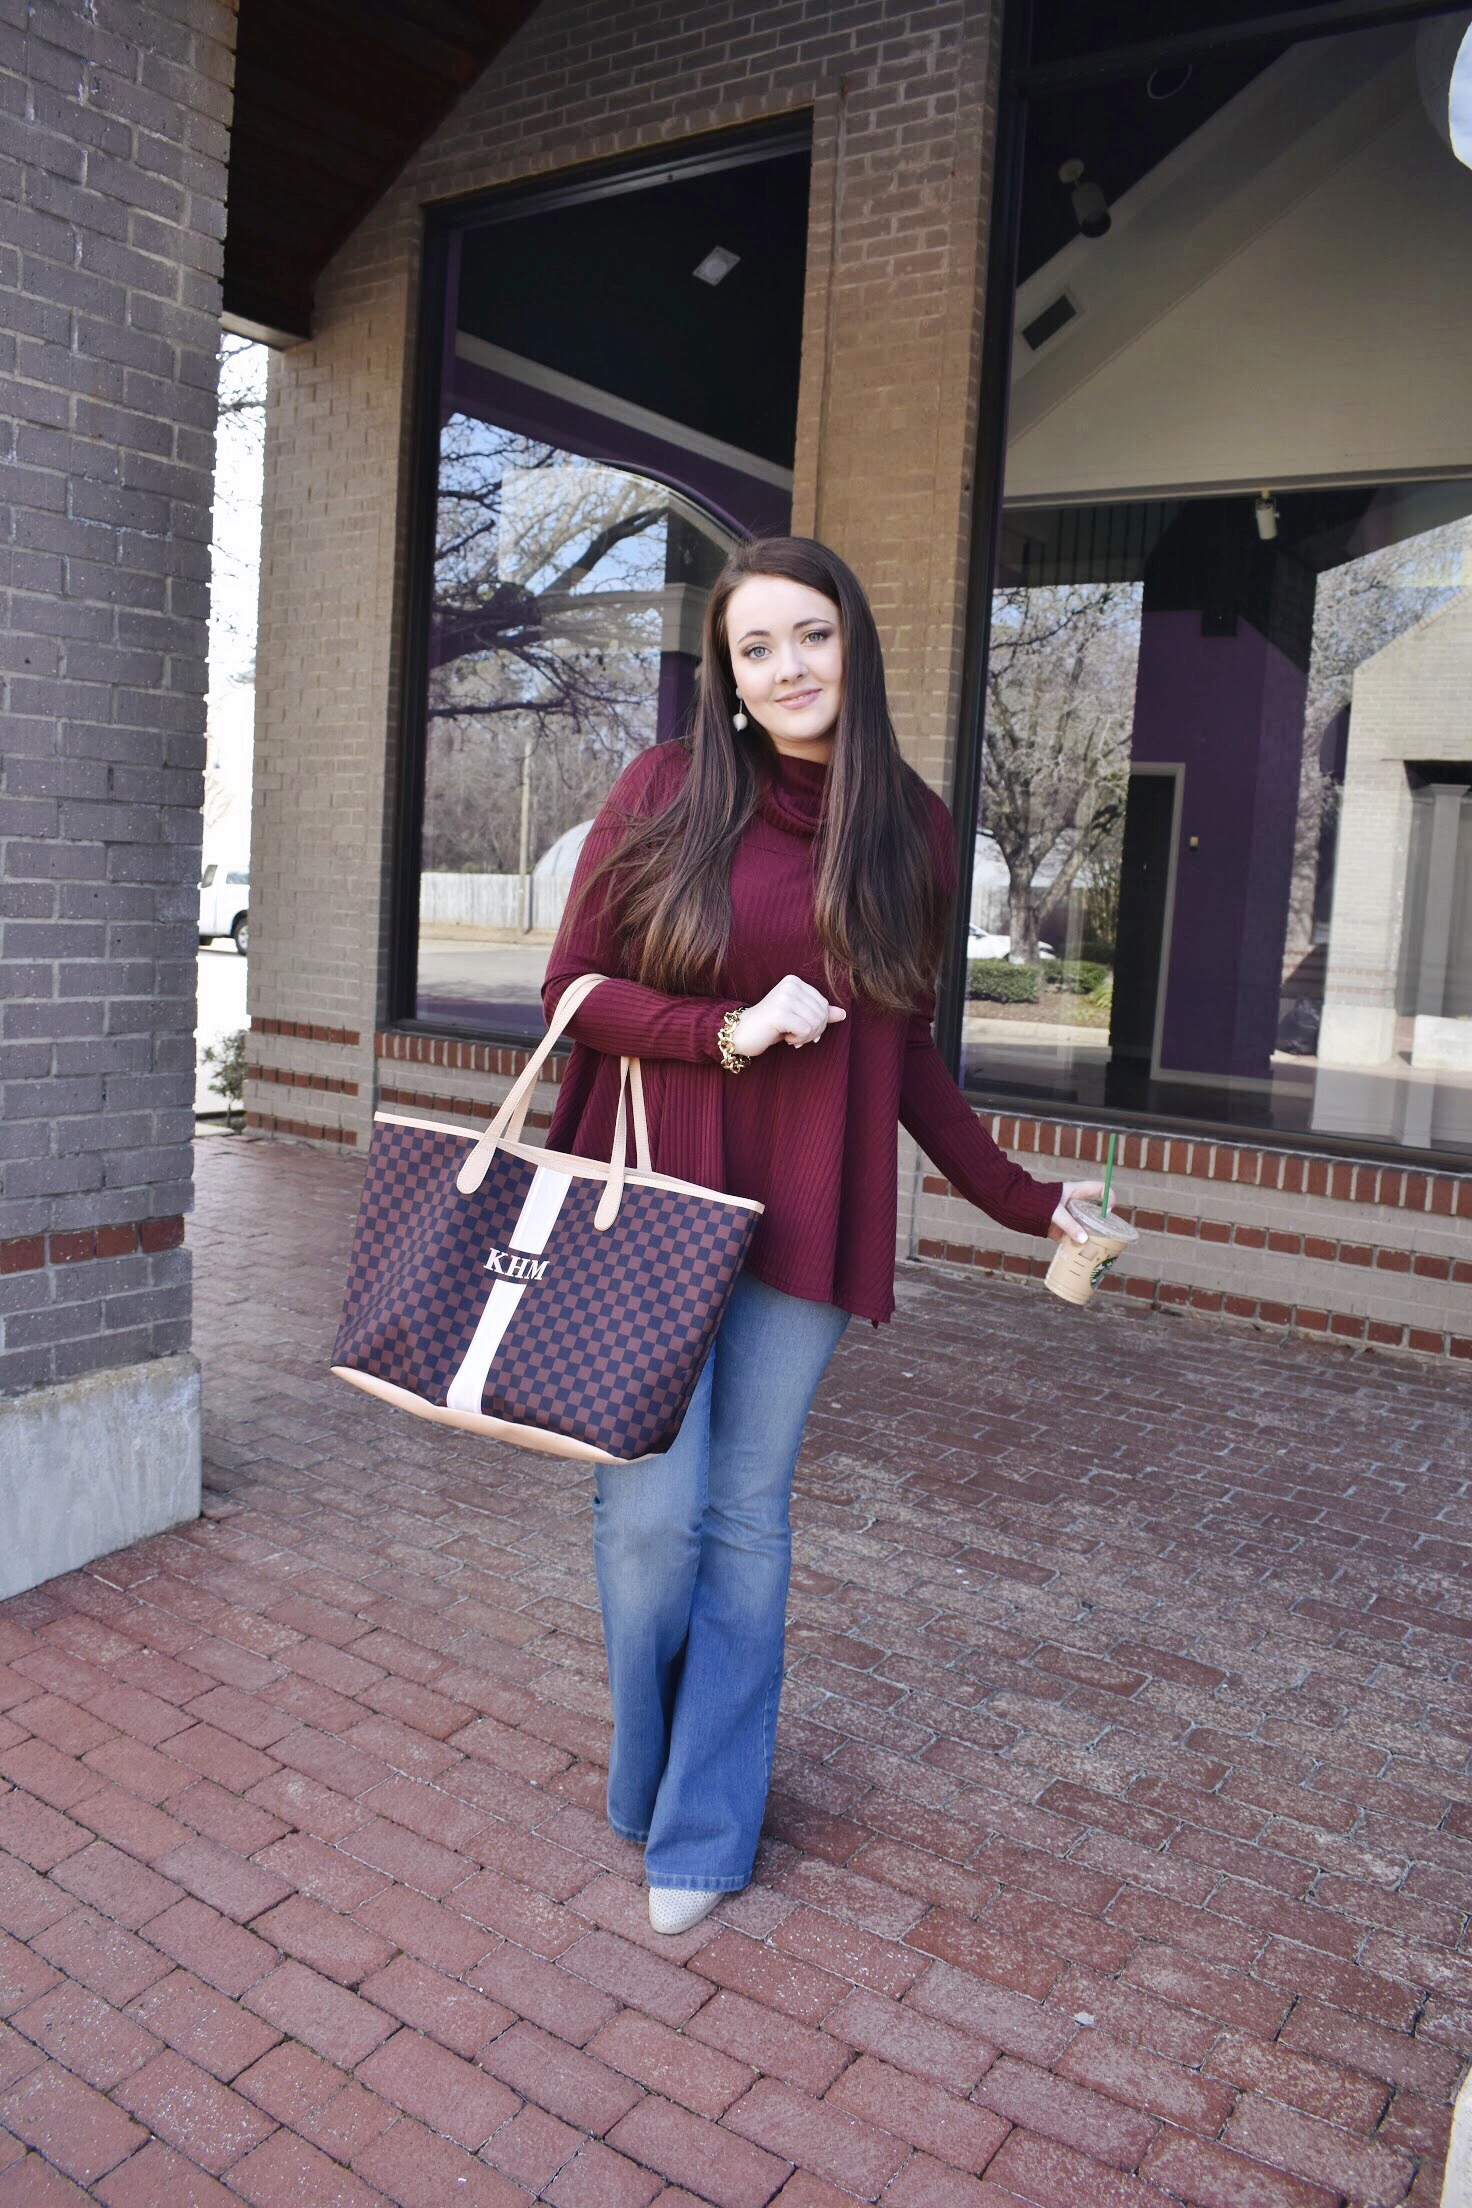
(731, 1058)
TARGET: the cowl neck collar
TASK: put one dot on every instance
(793, 796)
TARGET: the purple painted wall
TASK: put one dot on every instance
(677, 672)
(1230, 710)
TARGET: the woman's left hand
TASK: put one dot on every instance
(1061, 1223)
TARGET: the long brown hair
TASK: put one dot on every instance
(877, 906)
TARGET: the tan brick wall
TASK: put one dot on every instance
(899, 99)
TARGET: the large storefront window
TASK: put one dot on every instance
(618, 390)
(1223, 865)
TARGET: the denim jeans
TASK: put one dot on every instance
(693, 1551)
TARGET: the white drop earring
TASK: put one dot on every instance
(739, 719)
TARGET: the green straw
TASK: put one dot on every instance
(1108, 1174)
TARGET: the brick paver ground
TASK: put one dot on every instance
(1121, 1849)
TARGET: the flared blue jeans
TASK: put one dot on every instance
(693, 1554)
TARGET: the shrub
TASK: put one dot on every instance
(998, 981)
(228, 1059)
(1101, 996)
(1078, 976)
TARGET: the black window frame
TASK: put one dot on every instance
(1021, 80)
(739, 146)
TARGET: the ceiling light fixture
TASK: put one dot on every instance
(1165, 82)
(1090, 207)
(717, 265)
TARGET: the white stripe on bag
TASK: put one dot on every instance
(531, 1232)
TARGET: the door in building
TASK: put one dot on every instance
(1144, 887)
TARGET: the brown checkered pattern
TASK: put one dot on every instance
(606, 1349)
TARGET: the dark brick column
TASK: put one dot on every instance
(112, 211)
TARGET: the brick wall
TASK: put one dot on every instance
(112, 170)
(899, 99)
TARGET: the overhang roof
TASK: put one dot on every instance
(331, 99)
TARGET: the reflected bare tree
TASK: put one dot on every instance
(544, 640)
(1060, 705)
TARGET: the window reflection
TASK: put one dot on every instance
(1224, 855)
(606, 430)
(565, 629)
(1222, 862)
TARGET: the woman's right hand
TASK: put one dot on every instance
(794, 1012)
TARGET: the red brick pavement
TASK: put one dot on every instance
(1120, 1853)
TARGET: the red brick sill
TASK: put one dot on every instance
(307, 1130)
(458, 1056)
(307, 1031)
(459, 1107)
(28, 1253)
(284, 1077)
(1288, 1172)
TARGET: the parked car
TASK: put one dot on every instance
(224, 905)
(981, 944)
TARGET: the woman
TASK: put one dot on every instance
(773, 896)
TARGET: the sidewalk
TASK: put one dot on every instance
(1121, 1846)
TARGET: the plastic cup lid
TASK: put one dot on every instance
(1088, 1214)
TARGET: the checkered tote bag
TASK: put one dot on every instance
(559, 1303)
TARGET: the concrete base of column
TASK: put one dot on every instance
(90, 1465)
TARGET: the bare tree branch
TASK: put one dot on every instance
(546, 629)
(1055, 769)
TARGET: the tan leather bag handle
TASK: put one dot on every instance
(510, 1120)
(629, 1081)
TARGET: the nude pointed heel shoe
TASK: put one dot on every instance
(671, 1910)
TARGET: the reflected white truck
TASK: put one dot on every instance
(224, 904)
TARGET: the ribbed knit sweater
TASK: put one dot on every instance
(810, 1133)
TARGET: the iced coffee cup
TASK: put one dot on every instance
(1078, 1267)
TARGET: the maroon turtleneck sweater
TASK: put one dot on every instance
(811, 1133)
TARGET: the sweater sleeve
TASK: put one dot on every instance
(623, 1018)
(935, 1112)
